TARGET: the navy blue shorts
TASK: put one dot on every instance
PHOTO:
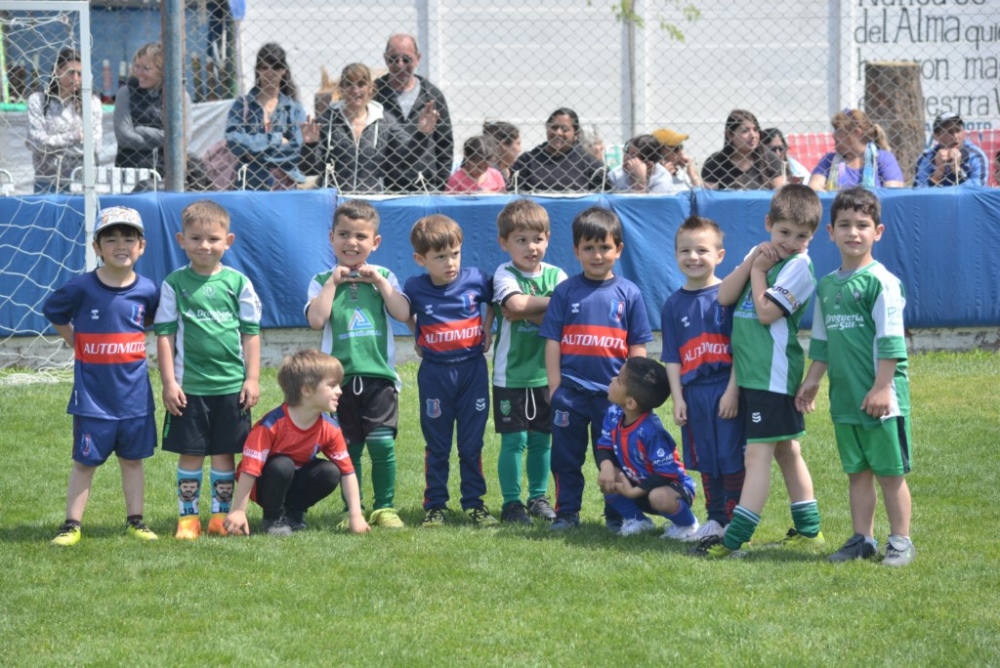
(94, 439)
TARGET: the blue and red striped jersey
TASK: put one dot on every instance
(449, 317)
(644, 450)
(696, 334)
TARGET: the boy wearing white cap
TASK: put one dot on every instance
(103, 316)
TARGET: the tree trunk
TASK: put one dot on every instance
(894, 99)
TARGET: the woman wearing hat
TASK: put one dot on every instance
(743, 163)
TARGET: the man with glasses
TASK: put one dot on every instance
(953, 160)
(421, 107)
(679, 165)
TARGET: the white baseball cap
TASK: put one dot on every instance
(119, 215)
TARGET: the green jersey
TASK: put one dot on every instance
(208, 315)
(858, 321)
(770, 357)
(358, 332)
(519, 353)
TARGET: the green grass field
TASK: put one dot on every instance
(463, 596)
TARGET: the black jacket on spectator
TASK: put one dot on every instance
(574, 170)
(143, 146)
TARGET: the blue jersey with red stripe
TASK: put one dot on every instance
(696, 334)
(644, 450)
(111, 378)
(595, 322)
(449, 317)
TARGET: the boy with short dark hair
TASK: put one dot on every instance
(595, 321)
(103, 316)
(352, 303)
(452, 337)
(640, 470)
(770, 289)
(696, 349)
(858, 312)
(208, 342)
(279, 469)
(521, 411)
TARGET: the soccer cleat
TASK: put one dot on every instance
(387, 518)
(856, 547)
(713, 548)
(217, 525)
(140, 531)
(188, 527)
(565, 521)
(540, 507)
(709, 528)
(278, 527)
(795, 539)
(514, 513)
(637, 525)
(899, 551)
(681, 533)
(69, 535)
(481, 516)
(434, 517)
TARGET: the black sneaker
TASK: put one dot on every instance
(434, 517)
(481, 515)
(296, 519)
(514, 513)
(278, 527)
(566, 521)
(540, 507)
(856, 547)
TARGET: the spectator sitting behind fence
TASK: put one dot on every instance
(139, 123)
(475, 175)
(861, 156)
(55, 125)
(561, 164)
(641, 171)
(953, 160)
(264, 127)
(679, 165)
(507, 140)
(359, 138)
(421, 107)
(743, 163)
(774, 140)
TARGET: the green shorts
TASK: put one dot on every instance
(884, 449)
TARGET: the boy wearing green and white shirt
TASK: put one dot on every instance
(352, 303)
(859, 340)
(208, 342)
(521, 409)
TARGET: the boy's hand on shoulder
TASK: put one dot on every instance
(236, 523)
(250, 393)
(680, 411)
(729, 403)
(174, 399)
(805, 398)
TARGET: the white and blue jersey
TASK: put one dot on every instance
(449, 317)
(644, 451)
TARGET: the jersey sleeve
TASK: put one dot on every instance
(165, 322)
(604, 449)
(638, 321)
(552, 323)
(887, 313)
(793, 286)
(817, 339)
(251, 310)
(671, 346)
(661, 453)
(315, 285)
(61, 305)
(256, 449)
(335, 448)
(505, 284)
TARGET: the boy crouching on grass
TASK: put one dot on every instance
(280, 469)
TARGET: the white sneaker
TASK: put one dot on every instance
(635, 526)
(709, 528)
(675, 532)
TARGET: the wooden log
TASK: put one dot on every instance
(894, 100)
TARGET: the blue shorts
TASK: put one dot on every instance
(94, 439)
(712, 446)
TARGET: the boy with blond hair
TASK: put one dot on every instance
(452, 336)
(771, 289)
(521, 411)
(279, 469)
(859, 339)
(208, 343)
(352, 303)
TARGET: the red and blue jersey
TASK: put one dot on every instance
(449, 317)
(595, 322)
(111, 377)
(644, 450)
(696, 334)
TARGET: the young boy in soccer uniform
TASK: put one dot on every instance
(595, 321)
(452, 336)
(280, 469)
(521, 412)
(698, 354)
(771, 288)
(208, 341)
(352, 303)
(103, 316)
(859, 339)
(640, 470)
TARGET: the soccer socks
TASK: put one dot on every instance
(188, 491)
(741, 529)
(223, 483)
(683, 517)
(538, 463)
(382, 450)
(805, 518)
(715, 498)
(509, 469)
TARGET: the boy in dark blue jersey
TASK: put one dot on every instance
(103, 316)
(595, 321)
(452, 338)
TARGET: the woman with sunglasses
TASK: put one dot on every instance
(55, 125)
(861, 156)
(774, 141)
(743, 163)
(561, 164)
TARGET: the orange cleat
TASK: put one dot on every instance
(188, 528)
(216, 525)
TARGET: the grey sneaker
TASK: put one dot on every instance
(566, 521)
(540, 507)
(899, 551)
(296, 519)
(856, 547)
(278, 527)
(514, 513)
